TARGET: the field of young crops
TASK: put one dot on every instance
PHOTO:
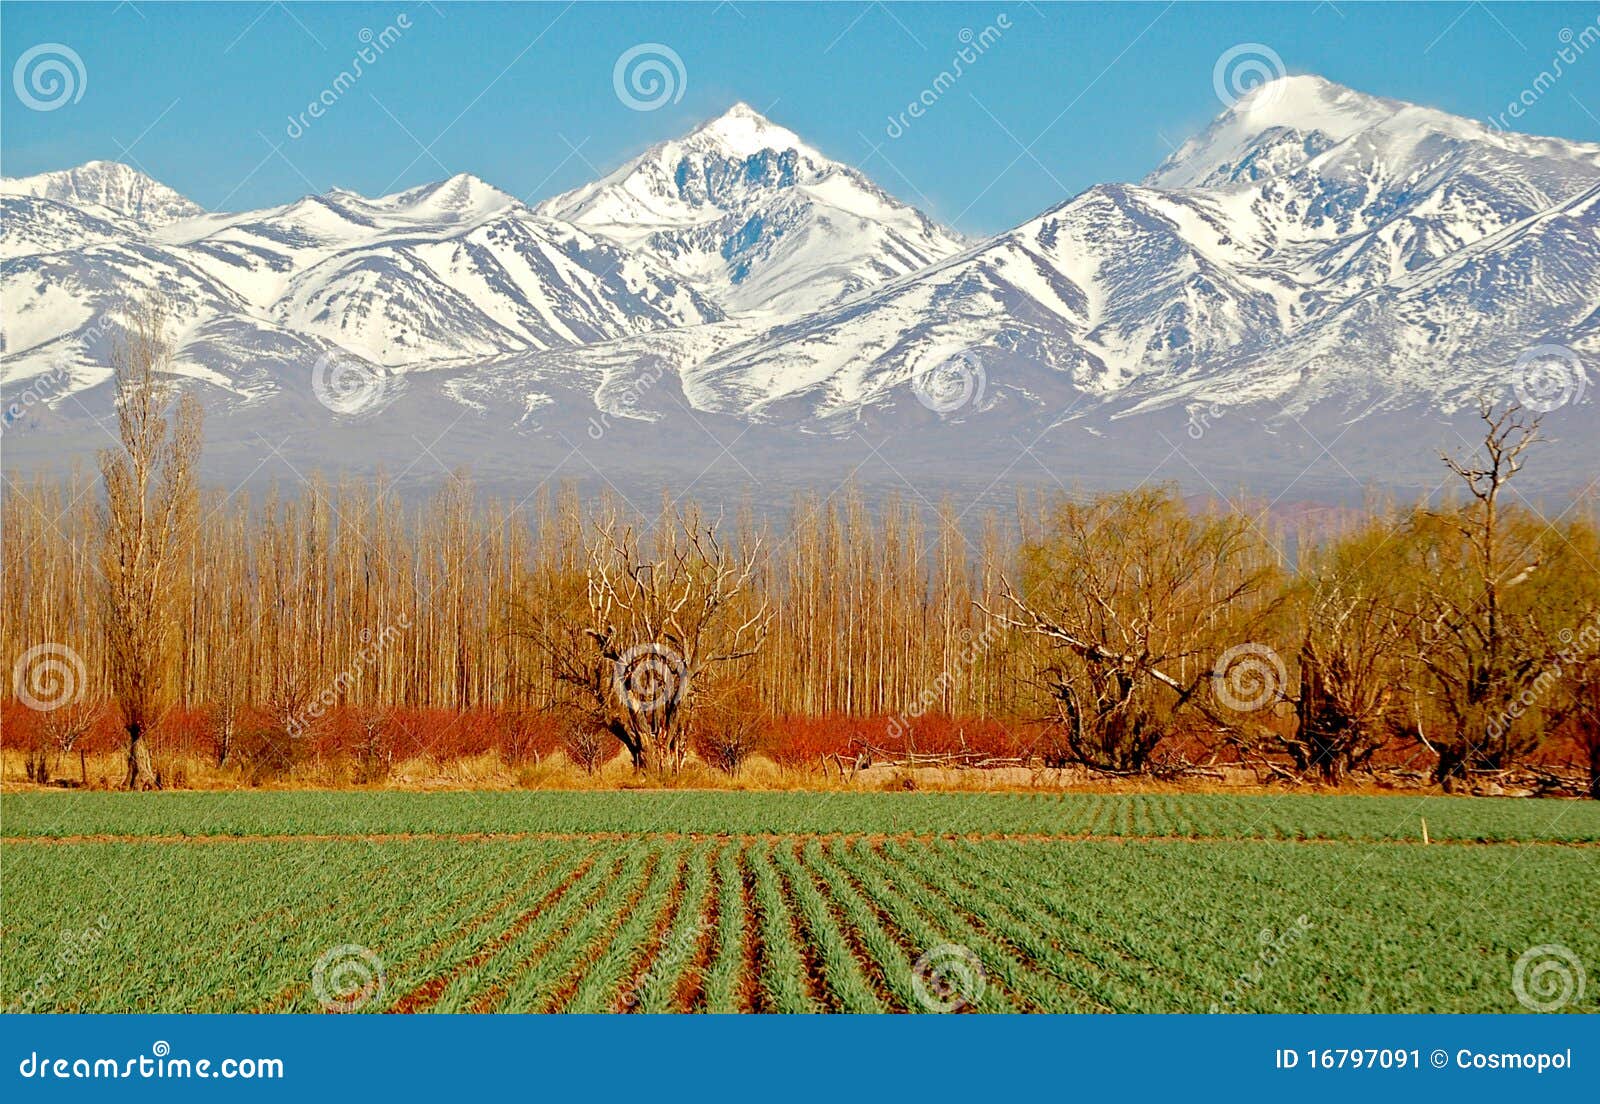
(1183, 815)
(783, 903)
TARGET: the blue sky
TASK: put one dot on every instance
(522, 94)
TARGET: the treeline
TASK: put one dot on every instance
(1121, 632)
(279, 602)
(1104, 628)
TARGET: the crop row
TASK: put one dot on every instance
(791, 924)
(1194, 816)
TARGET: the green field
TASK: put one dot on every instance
(725, 902)
(1195, 816)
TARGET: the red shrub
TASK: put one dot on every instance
(802, 741)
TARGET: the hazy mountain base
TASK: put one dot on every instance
(1334, 453)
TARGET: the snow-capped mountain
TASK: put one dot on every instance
(1313, 250)
(99, 187)
(1312, 241)
(434, 274)
(756, 218)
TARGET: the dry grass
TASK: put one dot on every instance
(490, 772)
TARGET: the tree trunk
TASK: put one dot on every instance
(639, 752)
(141, 775)
(38, 765)
(1452, 767)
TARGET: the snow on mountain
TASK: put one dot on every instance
(108, 186)
(34, 224)
(1464, 319)
(1312, 239)
(1313, 248)
(1119, 283)
(756, 218)
(512, 281)
(1276, 127)
(437, 273)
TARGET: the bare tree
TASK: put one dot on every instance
(64, 727)
(1586, 720)
(731, 729)
(147, 522)
(1484, 581)
(374, 751)
(1136, 597)
(1350, 682)
(653, 625)
(229, 686)
(587, 746)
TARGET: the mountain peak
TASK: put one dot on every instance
(742, 131)
(1308, 101)
(112, 185)
(1277, 125)
(463, 197)
(749, 214)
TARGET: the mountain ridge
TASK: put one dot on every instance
(1312, 247)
